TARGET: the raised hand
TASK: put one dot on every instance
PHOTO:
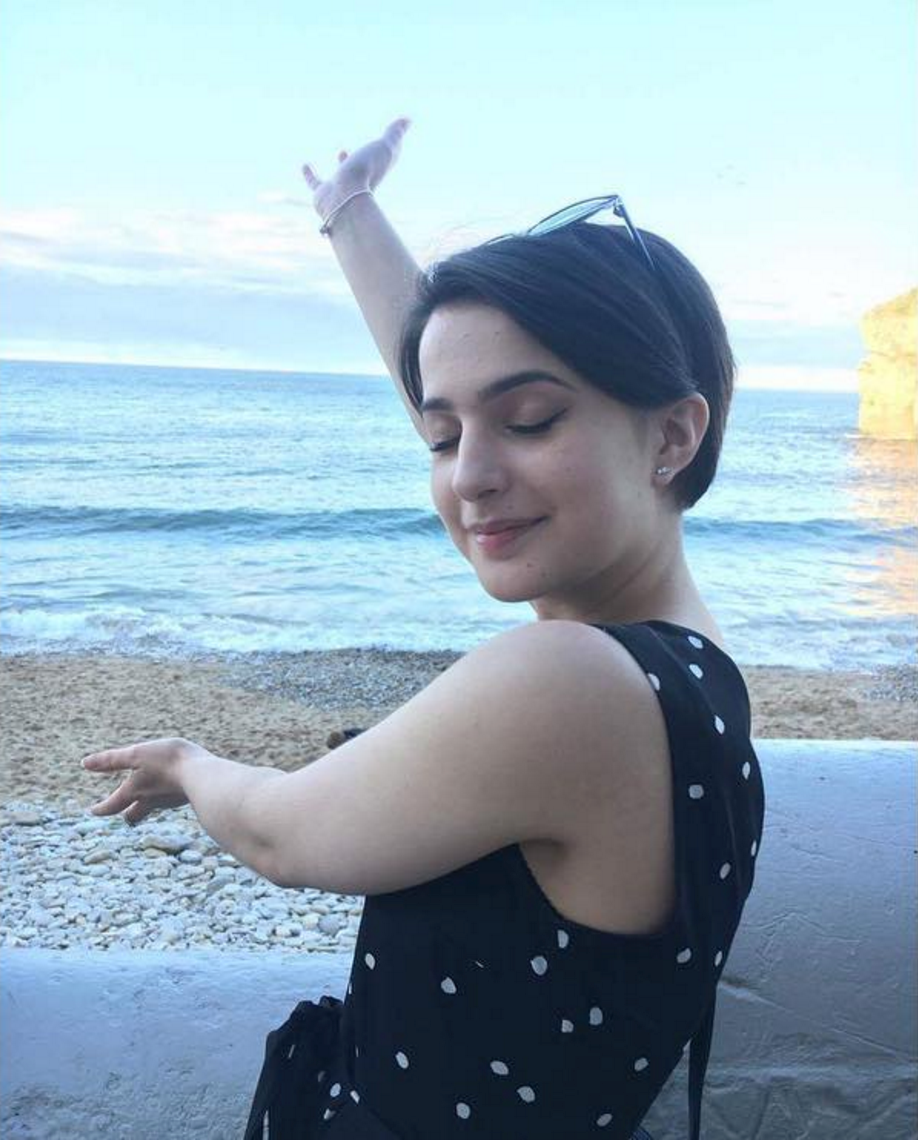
(362, 169)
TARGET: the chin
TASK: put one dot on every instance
(508, 591)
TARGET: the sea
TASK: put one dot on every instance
(174, 512)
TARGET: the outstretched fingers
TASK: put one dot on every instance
(395, 130)
(113, 804)
(111, 760)
(392, 135)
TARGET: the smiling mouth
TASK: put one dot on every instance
(491, 543)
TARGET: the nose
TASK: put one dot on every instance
(477, 469)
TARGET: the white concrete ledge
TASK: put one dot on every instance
(816, 1034)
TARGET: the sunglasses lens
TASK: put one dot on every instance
(568, 215)
(586, 209)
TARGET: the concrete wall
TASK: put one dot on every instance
(816, 1034)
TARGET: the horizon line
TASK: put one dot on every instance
(759, 387)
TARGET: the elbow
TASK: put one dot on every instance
(270, 868)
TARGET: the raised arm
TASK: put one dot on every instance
(379, 269)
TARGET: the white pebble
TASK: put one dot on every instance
(80, 882)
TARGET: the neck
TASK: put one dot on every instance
(657, 585)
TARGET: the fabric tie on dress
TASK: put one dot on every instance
(297, 1056)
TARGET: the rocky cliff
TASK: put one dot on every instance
(888, 375)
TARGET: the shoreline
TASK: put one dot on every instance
(279, 709)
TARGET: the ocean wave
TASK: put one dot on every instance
(54, 521)
(368, 522)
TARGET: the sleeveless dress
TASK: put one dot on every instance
(476, 1010)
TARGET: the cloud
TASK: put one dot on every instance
(792, 343)
(239, 250)
(798, 378)
(282, 198)
(803, 289)
(265, 284)
(53, 315)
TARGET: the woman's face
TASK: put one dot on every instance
(588, 477)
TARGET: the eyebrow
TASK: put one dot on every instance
(497, 388)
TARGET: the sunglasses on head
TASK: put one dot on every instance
(578, 211)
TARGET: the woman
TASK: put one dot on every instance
(536, 961)
(556, 837)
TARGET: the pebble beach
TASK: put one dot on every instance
(70, 879)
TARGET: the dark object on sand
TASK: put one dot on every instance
(342, 736)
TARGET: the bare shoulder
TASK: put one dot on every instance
(578, 662)
(578, 658)
(609, 730)
(585, 675)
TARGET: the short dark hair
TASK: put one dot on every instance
(584, 291)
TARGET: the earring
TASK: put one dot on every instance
(663, 470)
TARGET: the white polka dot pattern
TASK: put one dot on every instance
(702, 760)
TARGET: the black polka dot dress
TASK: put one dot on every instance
(476, 1010)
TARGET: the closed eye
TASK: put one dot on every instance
(519, 429)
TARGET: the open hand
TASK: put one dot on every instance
(154, 779)
(363, 169)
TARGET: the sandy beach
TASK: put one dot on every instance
(279, 710)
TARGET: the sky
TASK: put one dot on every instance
(152, 208)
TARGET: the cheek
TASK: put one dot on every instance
(578, 484)
(591, 500)
(445, 501)
(440, 493)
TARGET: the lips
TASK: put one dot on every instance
(504, 539)
(501, 527)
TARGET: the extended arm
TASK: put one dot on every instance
(382, 275)
(226, 797)
(171, 771)
(379, 269)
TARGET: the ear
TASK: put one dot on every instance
(682, 427)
